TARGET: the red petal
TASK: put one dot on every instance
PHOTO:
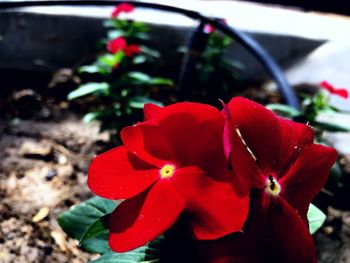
(276, 234)
(116, 45)
(307, 176)
(150, 111)
(143, 218)
(186, 134)
(117, 174)
(245, 173)
(148, 143)
(273, 140)
(344, 93)
(125, 7)
(291, 238)
(327, 86)
(132, 50)
(214, 209)
(202, 112)
(194, 131)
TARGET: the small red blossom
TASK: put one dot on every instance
(132, 50)
(172, 163)
(341, 92)
(276, 162)
(209, 28)
(119, 44)
(122, 8)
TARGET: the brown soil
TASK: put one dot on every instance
(43, 168)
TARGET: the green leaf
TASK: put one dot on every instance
(142, 78)
(316, 218)
(150, 52)
(77, 220)
(95, 239)
(147, 253)
(139, 77)
(87, 89)
(283, 110)
(92, 116)
(111, 59)
(139, 102)
(139, 59)
(89, 69)
(161, 81)
(112, 34)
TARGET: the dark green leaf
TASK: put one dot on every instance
(87, 89)
(316, 218)
(147, 253)
(161, 81)
(77, 220)
(95, 239)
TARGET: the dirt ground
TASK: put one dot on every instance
(44, 162)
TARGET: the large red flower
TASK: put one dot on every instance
(122, 8)
(172, 163)
(278, 159)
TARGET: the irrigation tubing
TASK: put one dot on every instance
(245, 40)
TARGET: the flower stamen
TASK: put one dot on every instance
(272, 186)
(167, 171)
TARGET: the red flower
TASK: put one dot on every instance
(172, 163)
(119, 44)
(132, 50)
(344, 93)
(122, 8)
(209, 28)
(277, 158)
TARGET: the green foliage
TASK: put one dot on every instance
(118, 86)
(88, 222)
(313, 110)
(77, 220)
(316, 218)
(89, 89)
(147, 253)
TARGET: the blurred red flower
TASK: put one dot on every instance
(122, 8)
(132, 50)
(341, 92)
(278, 160)
(119, 44)
(209, 28)
(170, 164)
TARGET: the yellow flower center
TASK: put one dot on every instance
(167, 171)
(272, 186)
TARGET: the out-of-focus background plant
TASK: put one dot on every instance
(118, 84)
